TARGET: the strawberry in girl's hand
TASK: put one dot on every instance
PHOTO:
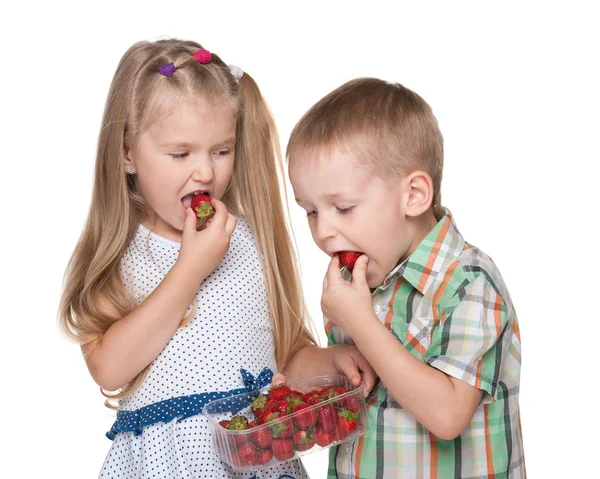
(204, 209)
(348, 258)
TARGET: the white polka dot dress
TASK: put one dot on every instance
(231, 330)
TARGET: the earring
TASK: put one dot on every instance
(130, 171)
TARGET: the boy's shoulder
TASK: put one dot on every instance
(445, 264)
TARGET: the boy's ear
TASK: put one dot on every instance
(419, 193)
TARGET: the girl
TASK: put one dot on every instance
(167, 316)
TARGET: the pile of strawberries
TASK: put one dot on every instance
(291, 423)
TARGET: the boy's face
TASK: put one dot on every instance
(349, 207)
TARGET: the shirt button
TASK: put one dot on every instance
(376, 308)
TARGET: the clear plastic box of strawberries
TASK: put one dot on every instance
(263, 428)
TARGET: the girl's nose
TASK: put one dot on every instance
(203, 171)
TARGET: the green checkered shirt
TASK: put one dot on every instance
(449, 307)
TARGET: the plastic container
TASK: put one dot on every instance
(333, 421)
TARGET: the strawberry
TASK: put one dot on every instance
(203, 207)
(279, 392)
(283, 428)
(238, 423)
(327, 417)
(267, 416)
(311, 397)
(262, 437)
(323, 438)
(224, 423)
(306, 417)
(304, 440)
(348, 258)
(258, 405)
(247, 454)
(283, 449)
(265, 456)
(351, 403)
(335, 391)
(346, 424)
(294, 399)
(278, 405)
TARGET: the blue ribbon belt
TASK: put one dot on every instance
(182, 407)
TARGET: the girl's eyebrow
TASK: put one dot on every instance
(186, 144)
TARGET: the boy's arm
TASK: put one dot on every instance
(443, 404)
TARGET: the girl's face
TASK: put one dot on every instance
(191, 150)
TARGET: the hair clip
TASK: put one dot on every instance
(203, 56)
(167, 70)
(237, 72)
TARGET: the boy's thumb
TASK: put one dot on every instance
(359, 272)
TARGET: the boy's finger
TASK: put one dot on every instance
(359, 272)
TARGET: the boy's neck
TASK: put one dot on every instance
(420, 227)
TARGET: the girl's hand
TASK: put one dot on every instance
(346, 303)
(201, 251)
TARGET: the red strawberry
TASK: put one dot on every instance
(258, 405)
(327, 417)
(304, 440)
(283, 428)
(224, 423)
(264, 456)
(278, 405)
(348, 258)
(351, 403)
(311, 397)
(238, 423)
(335, 391)
(323, 438)
(294, 399)
(305, 416)
(203, 207)
(346, 426)
(262, 437)
(279, 392)
(267, 416)
(247, 454)
(283, 449)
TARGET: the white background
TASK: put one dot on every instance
(514, 86)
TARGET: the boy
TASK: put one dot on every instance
(428, 311)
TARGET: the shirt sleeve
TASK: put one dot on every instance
(470, 338)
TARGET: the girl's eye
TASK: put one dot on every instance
(224, 152)
(344, 210)
(179, 155)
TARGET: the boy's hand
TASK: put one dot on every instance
(201, 251)
(348, 361)
(347, 303)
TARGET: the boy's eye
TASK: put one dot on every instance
(182, 154)
(311, 213)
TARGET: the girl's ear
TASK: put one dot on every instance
(419, 193)
(129, 164)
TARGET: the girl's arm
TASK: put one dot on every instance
(135, 340)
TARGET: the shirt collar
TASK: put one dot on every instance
(439, 248)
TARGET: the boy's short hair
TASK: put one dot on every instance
(385, 124)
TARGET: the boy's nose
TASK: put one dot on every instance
(325, 228)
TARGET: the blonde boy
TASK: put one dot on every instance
(428, 311)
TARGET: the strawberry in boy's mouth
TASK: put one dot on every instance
(348, 258)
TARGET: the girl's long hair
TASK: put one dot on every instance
(117, 208)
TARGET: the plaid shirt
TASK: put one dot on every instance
(448, 306)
